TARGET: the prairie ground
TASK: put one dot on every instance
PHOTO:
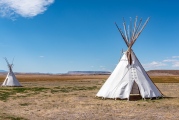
(57, 97)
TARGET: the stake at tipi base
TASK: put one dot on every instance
(129, 77)
(11, 79)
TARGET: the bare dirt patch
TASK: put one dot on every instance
(73, 97)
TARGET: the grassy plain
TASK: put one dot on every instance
(58, 97)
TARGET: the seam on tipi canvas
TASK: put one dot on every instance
(118, 83)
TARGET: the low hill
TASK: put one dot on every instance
(163, 72)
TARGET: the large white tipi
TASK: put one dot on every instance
(129, 77)
(11, 79)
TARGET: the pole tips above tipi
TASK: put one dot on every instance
(131, 33)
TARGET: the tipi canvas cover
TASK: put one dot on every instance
(129, 77)
(11, 79)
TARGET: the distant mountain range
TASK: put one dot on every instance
(68, 73)
(90, 72)
(150, 72)
(3, 71)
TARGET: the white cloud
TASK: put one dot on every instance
(174, 61)
(170, 60)
(102, 67)
(175, 64)
(41, 56)
(175, 56)
(170, 63)
(24, 8)
(157, 64)
(154, 65)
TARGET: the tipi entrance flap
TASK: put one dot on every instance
(135, 89)
(146, 86)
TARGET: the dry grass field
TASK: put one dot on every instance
(59, 97)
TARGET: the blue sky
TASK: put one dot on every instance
(57, 36)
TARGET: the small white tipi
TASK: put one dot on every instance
(129, 77)
(11, 79)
